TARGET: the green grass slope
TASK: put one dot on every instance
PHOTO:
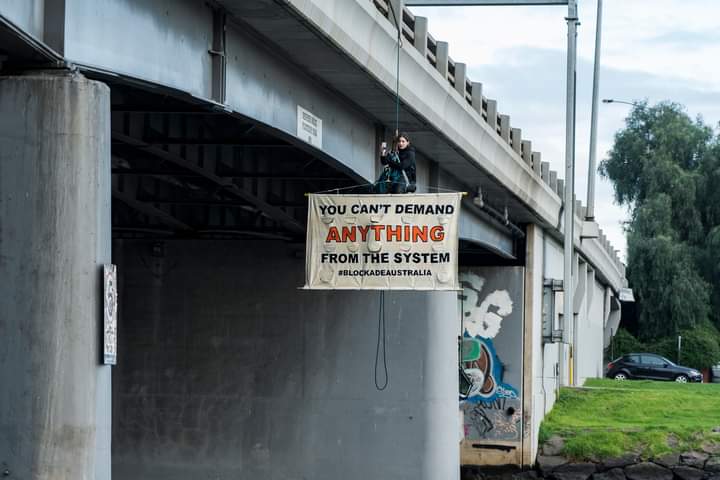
(607, 418)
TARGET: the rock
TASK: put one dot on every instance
(713, 465)
(716, 429)
(669, 460)
(620, 462)
(688, 473)
(614, 474)
(554, 446)
(711, 448)
(547, 464)
(647, 471)
(693, 459)
(574, 471)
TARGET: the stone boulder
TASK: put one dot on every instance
(553, 446)
(712, 465)
(574, 471)
(613, 474)
(694, 459)
(648, 471)
(619, 462)
(688, 473)
(546, 464)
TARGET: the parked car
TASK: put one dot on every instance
(651, 367)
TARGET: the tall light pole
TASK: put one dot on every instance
(568, 311)
(590, 212)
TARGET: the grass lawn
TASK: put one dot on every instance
(610, 418)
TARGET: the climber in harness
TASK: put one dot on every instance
(398, 175)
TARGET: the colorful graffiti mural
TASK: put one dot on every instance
(491, 408)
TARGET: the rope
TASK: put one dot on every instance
(381, 331)
(398, 24)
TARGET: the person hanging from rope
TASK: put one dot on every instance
(398, 175)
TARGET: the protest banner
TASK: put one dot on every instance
(382, 242)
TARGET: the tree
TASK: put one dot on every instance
(666, 168)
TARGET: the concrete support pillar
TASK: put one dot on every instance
(55, 236)
(477, 89)
(440, 361)
(536, 161)
(460, 78)
(442, 56)
(516, 135)
(505, 127)
(492, 114)
(421, 33)
(527, 152)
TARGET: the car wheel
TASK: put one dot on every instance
(620, 376)
(681, 379)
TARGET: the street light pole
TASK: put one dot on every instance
(590, 212)
(568, 313)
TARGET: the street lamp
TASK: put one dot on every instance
(612, 100)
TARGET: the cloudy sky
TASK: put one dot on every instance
(651, 49)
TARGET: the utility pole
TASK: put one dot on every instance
(590, 215)
(568, 310)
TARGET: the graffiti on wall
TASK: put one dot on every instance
(491, 407)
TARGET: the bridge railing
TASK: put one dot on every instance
(415, 31)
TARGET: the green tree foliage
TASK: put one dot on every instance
(665, 167)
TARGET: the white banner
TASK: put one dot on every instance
(383, 242)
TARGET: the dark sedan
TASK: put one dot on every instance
(651, 367)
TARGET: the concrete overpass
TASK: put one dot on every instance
(188, 115)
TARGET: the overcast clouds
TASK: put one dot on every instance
(654, 49)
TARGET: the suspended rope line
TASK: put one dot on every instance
(398, 23)
(381, 339)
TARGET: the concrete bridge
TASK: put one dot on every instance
(175, 139)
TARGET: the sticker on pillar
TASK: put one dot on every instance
(109, 314)
(382, 242)
(491, 406)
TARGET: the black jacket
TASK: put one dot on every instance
(407, 162)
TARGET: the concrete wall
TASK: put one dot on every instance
(226, 369)
(492, 329)
(590, 334)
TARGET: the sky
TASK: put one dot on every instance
(651, 50)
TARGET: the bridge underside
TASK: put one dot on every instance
(225, 368)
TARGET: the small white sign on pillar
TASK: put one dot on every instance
(309, 127)
(109, 314)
